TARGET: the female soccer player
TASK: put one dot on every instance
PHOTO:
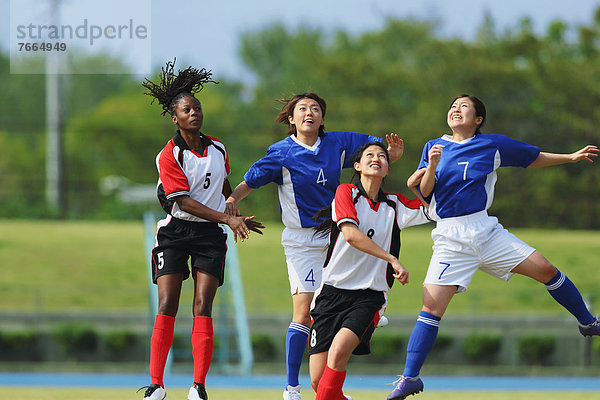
(459, 184)
(306, 166)
(192, 187)
(361, 266)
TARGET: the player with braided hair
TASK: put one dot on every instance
(192, 187)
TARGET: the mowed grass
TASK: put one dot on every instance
(56, 266)
(49, 393)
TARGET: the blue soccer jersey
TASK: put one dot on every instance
(466, 174)
(307, 175)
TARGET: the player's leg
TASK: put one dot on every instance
(435, 301)
(316, 366)
(205, 289)
(560, 287)
(334, 374)
(304, 259)
(296, 339)
(169, 289)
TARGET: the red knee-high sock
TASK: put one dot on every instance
(330, 385)
(160, 344)
(202, 347)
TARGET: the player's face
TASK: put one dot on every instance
(462, 115)
(188, 114)
(307, 116)
(373, 162)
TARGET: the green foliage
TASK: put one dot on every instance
(77, 341)
(264, 347)
(596, 346)
(20, 345)
(400, 78)
(482, 347)
(536, 349)
(119, 341)
(442, 342)
(385, 346)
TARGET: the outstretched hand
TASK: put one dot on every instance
(242, 227)
(395, 146)
(584, 154)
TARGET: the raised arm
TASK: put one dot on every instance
(395, 146)
(428, 180)
(549, 159)
(362, 242)
(414, 181)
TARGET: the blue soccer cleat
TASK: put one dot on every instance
(406, 386)
(592, 329)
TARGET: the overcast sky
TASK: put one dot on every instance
(207, 33)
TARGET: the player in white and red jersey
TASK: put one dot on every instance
(362, 262)
(306, 167)
(460, 174)
(192, 186)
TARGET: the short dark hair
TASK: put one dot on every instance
(479, 108)
(288, 110)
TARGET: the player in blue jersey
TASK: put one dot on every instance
(459, 184)
(306, 166)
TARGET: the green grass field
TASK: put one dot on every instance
(68, 266)
(11, 393)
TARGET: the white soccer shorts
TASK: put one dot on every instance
(462, 245)
(305, 255)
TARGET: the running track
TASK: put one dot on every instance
(365, 382)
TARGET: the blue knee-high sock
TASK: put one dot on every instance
(567, 295)
(420, 343)
(295, 344)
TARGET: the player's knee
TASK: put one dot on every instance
(337, 358)
(314, 382)
(202, 308)
(302, 320)
(168, 307)
(548, 271)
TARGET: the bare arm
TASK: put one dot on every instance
(414, 181)
(241, 191)
(549, 159)
(428, 180)
(362, 242)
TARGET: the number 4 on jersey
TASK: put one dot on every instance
(321, 178)
(310, 278)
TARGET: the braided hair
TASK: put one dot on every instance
(174, 87)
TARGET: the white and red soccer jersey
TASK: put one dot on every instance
(349, 268)
(182, 171)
